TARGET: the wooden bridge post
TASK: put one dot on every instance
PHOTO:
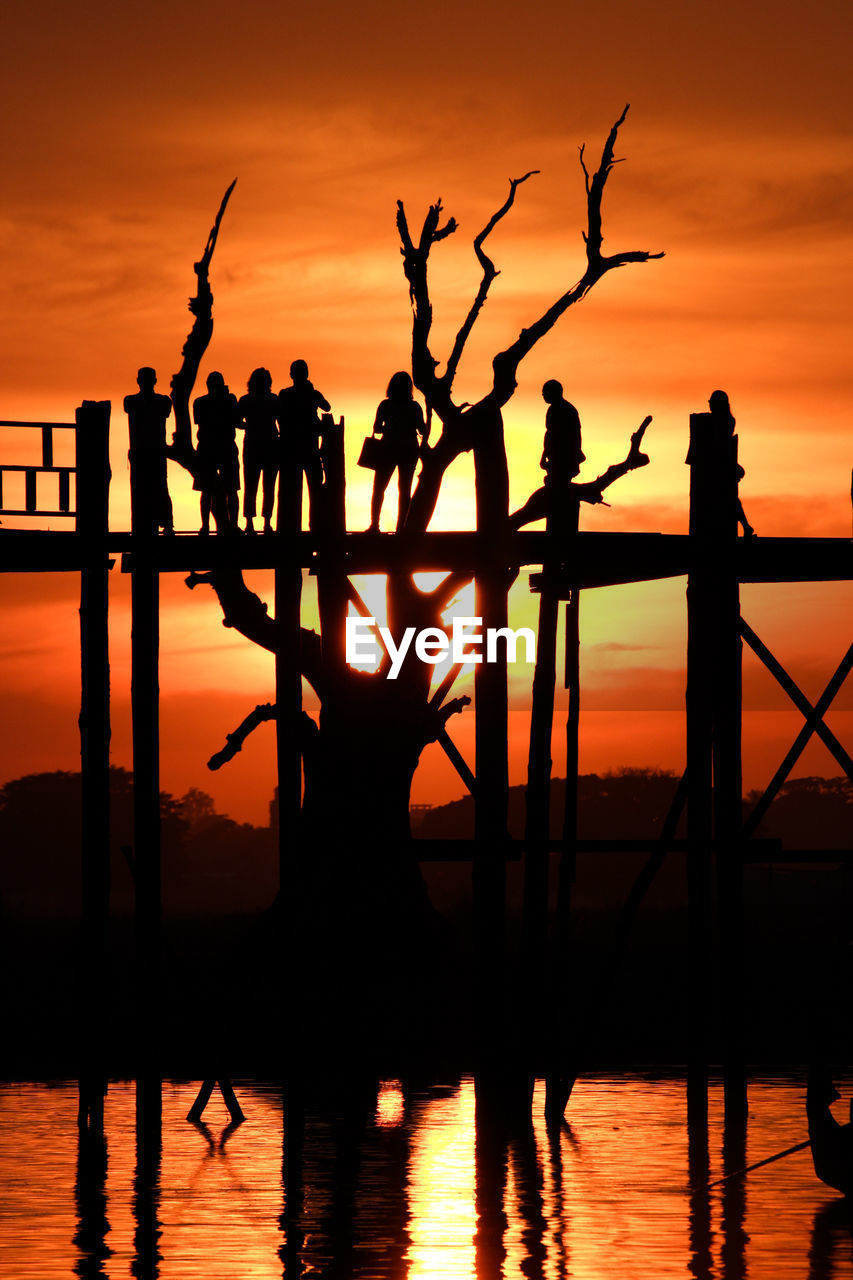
(491, 746)
(288, 680)
(145, 712)
(714, 743)
(563, 1067)
(331, 581)
(728, 787)
(537, 829)
(704, 500)
(92, 525)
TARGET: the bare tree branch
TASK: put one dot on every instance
(195, 346)
(243, 610)
(505, 364)
(234, 741)
(415, 269)
(489, 273)
(540, 503)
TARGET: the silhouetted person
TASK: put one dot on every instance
(724, 423)
(147, 412)
(831, 1142)
(561, 459)
(299, 406)
(260, 446)
(216, 416)
(399, 422)
(561, 454)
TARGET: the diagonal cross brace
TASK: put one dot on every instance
(814, 723)
(797, 696)
(456, 758)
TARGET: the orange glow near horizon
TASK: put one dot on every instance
(737, 167)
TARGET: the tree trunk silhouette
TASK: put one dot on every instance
(357, 877)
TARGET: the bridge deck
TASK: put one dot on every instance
(602, 559)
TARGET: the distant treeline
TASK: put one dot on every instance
(808, 813)
(213, 864)
(209, 861)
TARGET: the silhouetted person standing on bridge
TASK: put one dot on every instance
(299, 406)
(399, 422)
(723, 423)
(561, 459)
(562, 454)
(147, 412)
(216, 416)
(260, 446)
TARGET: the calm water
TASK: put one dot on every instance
(415, 1183)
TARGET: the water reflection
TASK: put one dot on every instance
(90, 1197)
(394, 1181)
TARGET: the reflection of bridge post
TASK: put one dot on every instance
(292, 1176)
(734, 1188)
(90, 1198)
(698, 1167)
(491, 1158)
(146, 1181)
(92, 525)
(714, 744)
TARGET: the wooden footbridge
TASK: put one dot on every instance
(714, 560)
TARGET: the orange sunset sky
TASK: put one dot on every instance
(122, 130)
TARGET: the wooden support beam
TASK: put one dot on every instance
(491, 767)
(93, 461)
(145, 711)
(781, 775)
(537, 832)
(332, 587)
(699, 706)
(288, 688)
(797, 696)
(456, 758)
(561, 1071)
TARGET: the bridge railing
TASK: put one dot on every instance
(31, 472)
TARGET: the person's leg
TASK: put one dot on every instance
(205, 511)
(165, 517)
(251, 475)
(405, 475)
(270, 473)
(314, 479)
(381, 476)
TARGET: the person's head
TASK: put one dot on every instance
(718, 402)
(260, 380)
(299, 371)
(552, 391)
(146, 378)
(400, 386)
(215, 382)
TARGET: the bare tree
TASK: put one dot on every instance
(361, 755)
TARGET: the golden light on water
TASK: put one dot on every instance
(389, 1104)
(431, 1187)
(442, 1214)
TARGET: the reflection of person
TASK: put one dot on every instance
(562, 454)
(399, 421)
(147, 412)
(298, 411)
(260, 447)
(216, 415)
